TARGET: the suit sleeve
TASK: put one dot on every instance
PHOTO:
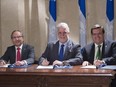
(45, 55)
(111, 60)
(84, 54)
(5, 57)
(30, 55)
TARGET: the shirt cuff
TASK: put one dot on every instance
(25, 62)
(103, 62)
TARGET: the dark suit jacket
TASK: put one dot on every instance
(28, 54)
(108, 52)
(72, 53)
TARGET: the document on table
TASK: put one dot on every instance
(45, 67)
(89, 67)
(112, 67)
(6, 65)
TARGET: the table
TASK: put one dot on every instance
(75, 77)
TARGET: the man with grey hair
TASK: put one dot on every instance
(64, 51)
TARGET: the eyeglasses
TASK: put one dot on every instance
(16, 37)
(94, 34)
(62, 33)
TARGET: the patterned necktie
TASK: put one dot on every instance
(61, 54)
(18, 54)
(98, 55)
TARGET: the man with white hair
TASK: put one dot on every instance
(100, 51)
(64, 51)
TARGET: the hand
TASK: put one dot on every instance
(2, 62)
(85, 63)
(57, 62)
(98, 62)
(19, 63)
(45, 62)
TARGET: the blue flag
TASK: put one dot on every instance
(52, 21)
(109, 19)
(82, 15)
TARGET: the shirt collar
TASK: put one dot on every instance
(19, 46)
(96, 45)
(64, 43)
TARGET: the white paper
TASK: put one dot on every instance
(112, 67)
(45, 67)
(89, 66)
(6, 65)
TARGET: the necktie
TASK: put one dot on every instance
(61, 54)
(18, 54)
(98, 55)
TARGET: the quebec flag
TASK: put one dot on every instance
(52, 36)
(82, 15)
(109, 19)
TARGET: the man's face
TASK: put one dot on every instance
(17, 38)
(63, 35)
(98, 36)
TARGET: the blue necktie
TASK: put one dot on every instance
(61, 54)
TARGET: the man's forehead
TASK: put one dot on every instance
(17, 33)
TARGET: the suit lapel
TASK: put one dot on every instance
(105, 48)
(56, 50)
(68, 49)
(13, 57)
(92, 52)
(23, 51)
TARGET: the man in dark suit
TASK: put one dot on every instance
(19, 53)
(71, 52)
(107, 49)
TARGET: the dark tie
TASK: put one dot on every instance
(61, 54)
(98, 55)
(18, 54)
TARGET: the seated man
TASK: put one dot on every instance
(64, 51)
(19, 53)
(100, 50)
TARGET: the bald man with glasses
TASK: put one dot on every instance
(19, 53)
